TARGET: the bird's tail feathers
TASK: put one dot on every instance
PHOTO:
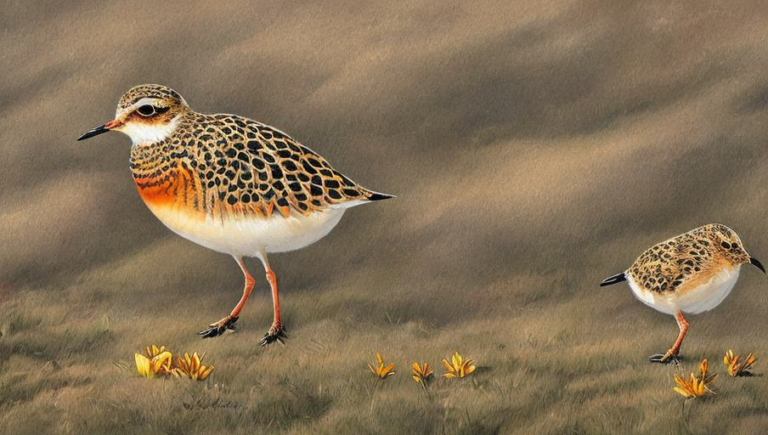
(376, 196)
(370, 196)
(619, 277)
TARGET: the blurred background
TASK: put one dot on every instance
(535, 148)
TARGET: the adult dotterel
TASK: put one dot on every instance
(230, 184)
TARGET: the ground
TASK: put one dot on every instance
(535, 149)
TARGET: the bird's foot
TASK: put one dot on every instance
(275, 333)
(665, 358)
(219, 327)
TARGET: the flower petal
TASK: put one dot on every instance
(389, 368)
(206, 372)
(143, 365)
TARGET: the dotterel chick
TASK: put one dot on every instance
(690, 273)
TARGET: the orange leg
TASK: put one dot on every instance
(218, 328)
(672, 353)
(683, 325)
(276, 332)
(249, 283)
(275, 298)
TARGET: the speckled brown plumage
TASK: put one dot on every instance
(228, 164)
(670, 265)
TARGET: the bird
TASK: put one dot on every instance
(688, 274)
(230, 184)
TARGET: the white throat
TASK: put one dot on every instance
(146, 134)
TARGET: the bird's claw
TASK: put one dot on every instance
(275, 334)
(219, 327)
(665, 358)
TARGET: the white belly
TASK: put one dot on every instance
(252, 237)
(702, 298)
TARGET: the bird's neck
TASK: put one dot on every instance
(150, 159)
(156, 150)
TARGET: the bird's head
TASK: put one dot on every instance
(146, 113)
(730, 245)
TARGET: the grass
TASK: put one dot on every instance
(72, 372)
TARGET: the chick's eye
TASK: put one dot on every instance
(726, 245)
(146, 110)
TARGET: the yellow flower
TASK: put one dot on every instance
(697, 386)
(458, 367)
(739, 369)
(191, 367)
(154, 351)
(160, 363)
(422, 374)
(381, 371)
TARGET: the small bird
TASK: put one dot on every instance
(230, 184)
(690, 273)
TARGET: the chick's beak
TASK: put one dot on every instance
(99, 130)
(757, 264)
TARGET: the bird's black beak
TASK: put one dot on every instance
(94, 132)
(757, 264)
(100, 129)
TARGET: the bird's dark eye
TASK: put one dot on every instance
(146, 110)
(725, 245)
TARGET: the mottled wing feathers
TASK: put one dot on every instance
(673, 264)
(244, 167)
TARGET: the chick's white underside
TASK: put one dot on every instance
(704, 297)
